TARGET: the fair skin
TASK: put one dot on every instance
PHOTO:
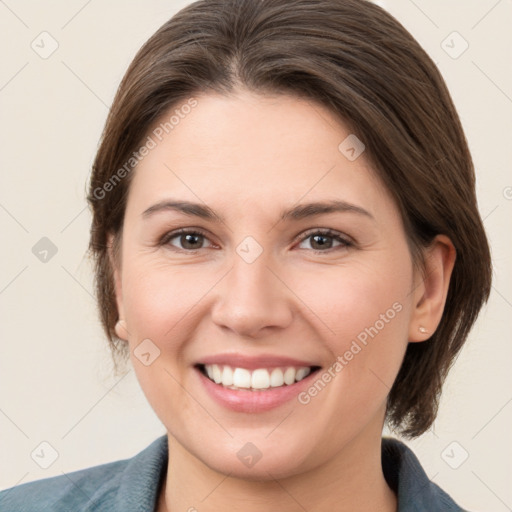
(249, 157)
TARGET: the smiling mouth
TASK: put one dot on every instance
(260, 379)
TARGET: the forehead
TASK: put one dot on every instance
(247, 148)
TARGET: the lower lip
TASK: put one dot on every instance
(241, 400)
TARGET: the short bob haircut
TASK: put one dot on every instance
(355, 59)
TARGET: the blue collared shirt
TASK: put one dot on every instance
(133, 485)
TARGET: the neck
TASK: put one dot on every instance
(352, 480)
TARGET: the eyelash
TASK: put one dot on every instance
(343, 239)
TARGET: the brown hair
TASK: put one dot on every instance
(357, 60)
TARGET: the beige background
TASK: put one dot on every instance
(56, 375)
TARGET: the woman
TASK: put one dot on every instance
(288, 248)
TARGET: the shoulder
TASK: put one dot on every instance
(103, 487)
(415, 491)
(72, 491)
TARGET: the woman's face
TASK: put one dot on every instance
(257, 293)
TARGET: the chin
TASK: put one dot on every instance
(261, 460)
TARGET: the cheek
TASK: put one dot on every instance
(369, 314)
(160, 305)
(354, 300)
(159, 298)
(366, 309)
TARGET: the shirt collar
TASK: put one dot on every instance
(404, 474)
(137, 491)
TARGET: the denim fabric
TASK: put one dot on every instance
(404, 474)
(133, 485)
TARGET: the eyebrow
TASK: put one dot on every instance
(295, 213)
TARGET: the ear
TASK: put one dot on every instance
(120, 328)
(431, 289)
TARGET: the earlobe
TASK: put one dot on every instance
(431, 289)
(120, 328)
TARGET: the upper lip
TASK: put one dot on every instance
(254, 362)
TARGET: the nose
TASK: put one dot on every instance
(252, 298)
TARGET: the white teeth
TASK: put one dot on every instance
(302, 373)
(227, 376)
(276, 378)
(289, 376)
(217, 374)
(261, 378)
(241, 378)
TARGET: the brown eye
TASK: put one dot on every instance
(187, 240)
(191, 241)
(323, 241)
